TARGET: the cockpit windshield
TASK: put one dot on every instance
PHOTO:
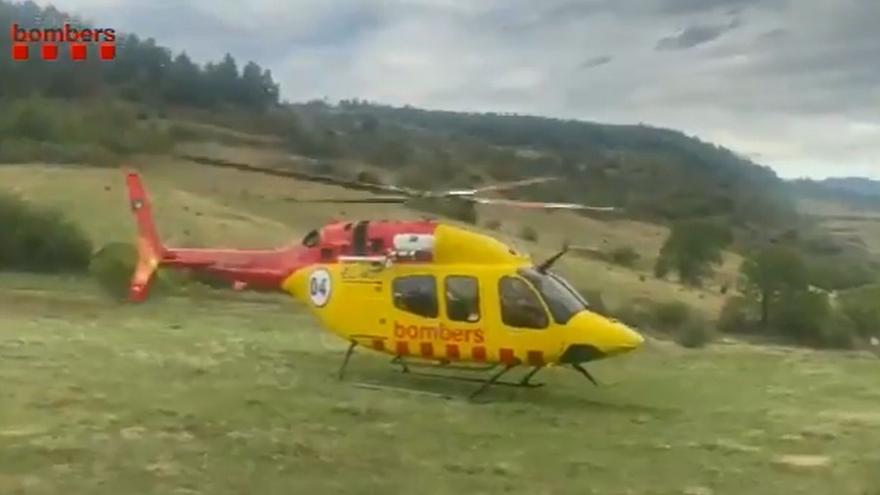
(311, 239)
(563, 301)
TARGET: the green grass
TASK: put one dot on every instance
(181, 396)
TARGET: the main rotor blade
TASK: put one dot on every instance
(538, 205)
(503, 186)
(323, 179)
(377, 200)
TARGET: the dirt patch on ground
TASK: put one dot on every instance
(803, 461)
(853, 418)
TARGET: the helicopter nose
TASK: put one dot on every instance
(594, 337)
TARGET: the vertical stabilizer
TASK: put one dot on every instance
(149, 247)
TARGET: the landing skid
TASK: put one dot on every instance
(525, 382)
(406, 365)
(469, 379)
(388, 388)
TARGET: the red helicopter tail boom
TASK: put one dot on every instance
(264, 269)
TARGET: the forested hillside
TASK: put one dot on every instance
(142, 71)
(650, 172)
(653, 173)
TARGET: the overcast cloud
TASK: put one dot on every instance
(794, 84)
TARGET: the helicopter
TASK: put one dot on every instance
(427, 293)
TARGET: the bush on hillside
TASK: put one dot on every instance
(624, 256)
(671, 315)
(862, 307)
(113, 266)
(692, 248)
(369, 177)
(840, 273)
(528, 233)
(839, 332)
(633, 314)
(736, 316)
(694, 333)
(802, 316)
(61, 131)
(40, 239)
(493, 224)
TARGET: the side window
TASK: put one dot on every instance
(462, 298)
(520, 306)
(416, 294)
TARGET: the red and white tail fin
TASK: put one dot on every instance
(149, 247)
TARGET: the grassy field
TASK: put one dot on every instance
(854, 225)
(183, 396)
(221, 395)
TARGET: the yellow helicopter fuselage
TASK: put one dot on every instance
(477, 300)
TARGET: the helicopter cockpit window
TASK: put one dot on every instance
(520, 306)
(416, 294)
(311, 239)
(462, 298)
(563, 301)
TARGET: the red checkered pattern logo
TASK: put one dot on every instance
(66, 41)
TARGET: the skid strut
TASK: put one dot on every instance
(345, 360)
(584, 372)
(494, 378)
(525, 382)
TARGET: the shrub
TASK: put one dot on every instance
(692, 248)
(735, 316)
(64, 131)
(112, 267)
(368, 177)
(529, 234)
(840, 273)
(40, 239)
(624, 256)
(802, 316)
(633, 314)
(670, 315)
(862, 307)
(695, 333)
(838, 333)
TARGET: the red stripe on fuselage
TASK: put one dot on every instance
(478, 353)
(506, 356)
(427, 349)
(452, 351)
(402, 348)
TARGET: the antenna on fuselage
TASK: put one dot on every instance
(546, 265)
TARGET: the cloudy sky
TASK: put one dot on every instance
(794, 84)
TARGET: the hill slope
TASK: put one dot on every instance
(658, 174)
